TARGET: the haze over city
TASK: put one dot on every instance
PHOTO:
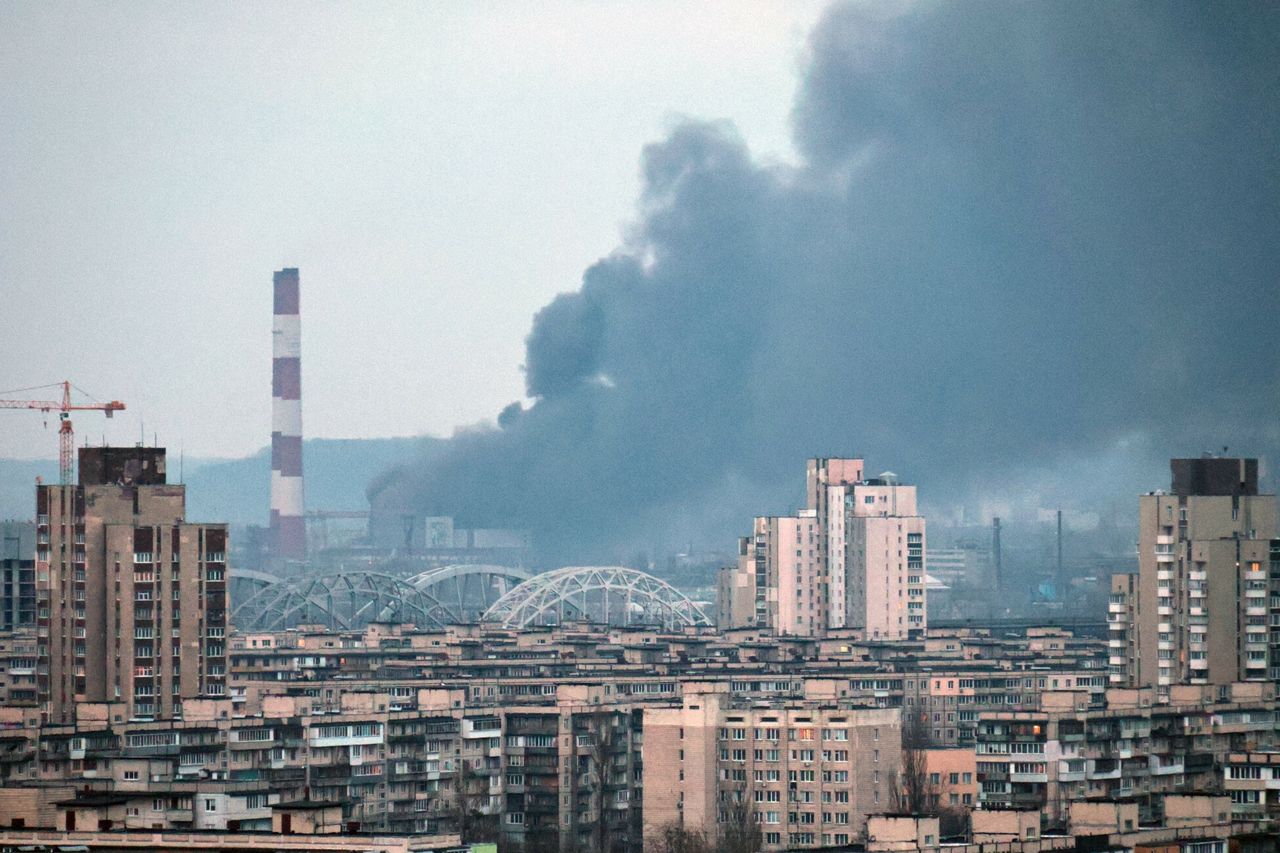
(867, 229)
(640, 427)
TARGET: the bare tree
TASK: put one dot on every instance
(674, 838)
(740, 832)
(910, 787)
(466, 807)
(594, 765)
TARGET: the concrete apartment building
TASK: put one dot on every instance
(18, 656)
(17, 575)
(1122, 615)
(1252, 781)
(852, 558)
(1133, 748)
(131, 599)
(1205, 596)
(570, 737)
(810, 773)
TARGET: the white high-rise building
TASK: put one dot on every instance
(853, 558)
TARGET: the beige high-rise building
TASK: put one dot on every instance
(1121, 610)
(131, 599)
(1203, 605)
(883, 542)
(808, 772)
(853, 558)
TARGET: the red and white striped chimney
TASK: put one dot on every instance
(288, 528)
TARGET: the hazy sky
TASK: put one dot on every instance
(1025, 255)
(438, 171)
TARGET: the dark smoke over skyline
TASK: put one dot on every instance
(1029, 247)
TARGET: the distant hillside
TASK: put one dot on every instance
(238, 490)
(18, 485)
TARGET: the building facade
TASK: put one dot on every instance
(1122, 606)
(1205, 596)
(131, 598)
(807, 773)
(17, 575)
(853, 558)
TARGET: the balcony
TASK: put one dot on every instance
(1098, 769)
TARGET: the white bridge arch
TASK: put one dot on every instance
(349, 600)
(611, 595)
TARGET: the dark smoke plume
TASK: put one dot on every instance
(1023, 237)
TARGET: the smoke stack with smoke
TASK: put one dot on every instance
(1021, 239)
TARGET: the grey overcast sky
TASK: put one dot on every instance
(438, 171)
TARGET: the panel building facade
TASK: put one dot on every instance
(852, 558)
(17, 575)
(131, 598)
(1205, 598)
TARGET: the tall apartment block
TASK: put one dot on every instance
(288, 526)
(853, 558)
(1121, 615)
(809, 772)
(17, 575)
(1205, 595)
(131, 599)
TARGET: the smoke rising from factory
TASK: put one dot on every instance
(993, 264)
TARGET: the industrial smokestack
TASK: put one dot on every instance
(288, 528)
(995, 551)
(1060, 580)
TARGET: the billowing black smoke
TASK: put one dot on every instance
(1023, 238)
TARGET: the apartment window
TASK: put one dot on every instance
(131, 775)
(1245, 772)
(210, 805)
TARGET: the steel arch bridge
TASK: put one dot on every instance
(610, 595)
(466, 590)
(246, 583)
(340, 601)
